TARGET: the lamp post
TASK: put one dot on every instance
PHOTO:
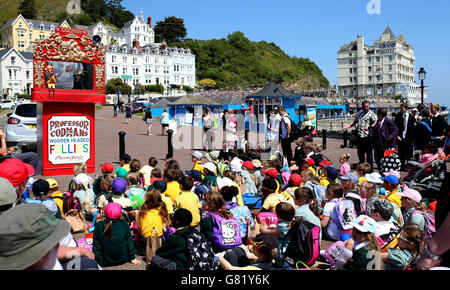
(422, 76)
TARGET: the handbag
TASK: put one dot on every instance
(76, 220)
(153, 243)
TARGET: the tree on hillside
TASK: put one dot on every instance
(28, 9)
(170, 30)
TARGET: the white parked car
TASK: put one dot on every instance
(7, 104)
(21, 125)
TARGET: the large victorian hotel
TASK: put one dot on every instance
(383, 69)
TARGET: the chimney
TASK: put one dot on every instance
(149, 21)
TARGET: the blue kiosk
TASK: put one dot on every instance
(272, 95)
(188, 110)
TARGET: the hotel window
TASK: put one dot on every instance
(41, 27)
(10, 74)
(378, 78)
(350, 70)
(390, 77)
(20, 24)
(113, 58)
(13, 60)
(370, 78)
(31, 37)
(378, 59)
(369, 68)
(351, 79)
(27, 73)
(350, 61)
(390, 67)
(391, 58)
(134, 60)
(124, 70)
(124, 59)
(369, 59)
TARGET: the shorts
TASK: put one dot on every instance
(149, 121)
(128, 116)
(165, 125)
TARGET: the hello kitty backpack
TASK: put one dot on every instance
(226, 234)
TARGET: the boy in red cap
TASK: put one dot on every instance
(107, 168)
(17, 172)
(246, 172)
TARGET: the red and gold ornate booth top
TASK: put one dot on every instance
(68, 67)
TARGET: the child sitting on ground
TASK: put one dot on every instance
(344, 167)
(285, 214)
(330, 229)
(188, 200)
(156, 175)
(112, 244)
(55, 194)
(409, 243)
(270, 195)
(390, 184)
(330, 176)
(135, 192)
(246, 172)
(118, 188)
(366, 252)
(147, 170)
(362, 169)
(307, 207)
(41, 191)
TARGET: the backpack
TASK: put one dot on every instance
(243, 217)
(199, 251)
(226, 234)
(344, 211)
(268, 218)
(58, 214)
(301, 243)
(318, 191)
(362, 201)
(296, 131)
(430, 226)
(252, 201)
(389, 240)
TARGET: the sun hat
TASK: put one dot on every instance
(248, 164)
(224, 181)
(296, 179)
(350, 176)
(210, 166)
(392, 179)
(236, 165)
(16, 171)
(411, 193)
(82, 179)
(195, 174)
(374, 177)
(160, 185)
(212, 156)
(197, 154)
(8, 194)
(272, 172)
(257, 163)
(332, 172)
(107, 167)
(28, 232)
(113, 210)
(365, 224)
(121, 172)
(119, 185)
(40, 187)
(52, 183)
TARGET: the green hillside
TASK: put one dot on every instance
(238, 61)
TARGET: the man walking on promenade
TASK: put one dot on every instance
(364, 121)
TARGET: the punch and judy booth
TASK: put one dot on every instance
(69, 79)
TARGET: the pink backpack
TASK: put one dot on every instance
(430, 227)
(268, 218)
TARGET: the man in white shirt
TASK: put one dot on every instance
(273, 132)
(285, 131)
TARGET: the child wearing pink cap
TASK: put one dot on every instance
(112, 242)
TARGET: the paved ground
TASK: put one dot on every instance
(141, 146)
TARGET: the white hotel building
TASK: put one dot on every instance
(384, 69)
(136, 58)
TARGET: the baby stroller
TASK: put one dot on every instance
(307, 133)
(430, 176)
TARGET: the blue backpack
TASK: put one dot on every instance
(243, 216)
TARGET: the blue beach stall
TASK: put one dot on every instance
(188, 110)
(272, 95)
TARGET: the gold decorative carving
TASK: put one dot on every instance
(39, 73)
(99, 72)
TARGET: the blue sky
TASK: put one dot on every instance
(317, 29)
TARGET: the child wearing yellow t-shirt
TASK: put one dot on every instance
(188, 200)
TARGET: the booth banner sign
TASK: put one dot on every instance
(69, 139)
(311, 113)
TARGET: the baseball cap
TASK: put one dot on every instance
(296, 179)
(125, 157)
(248, 164)
(411, 193)
(392, 179)
(265, 243)
(8, 194)
(28, 232)
(272, 172)
(121, 172)
(197, 154)
(113, 210)
(195, 174)
(160, 185)
(365, 224)
(107, 167)
(40, 187)
(332, 172)
(119, 185)
(350, 176)
(325, 163)
(52, 183)
(16, 171)
(374, 177)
